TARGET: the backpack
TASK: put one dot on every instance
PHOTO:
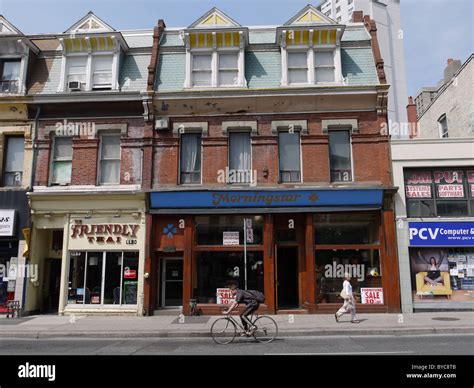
(259, 297)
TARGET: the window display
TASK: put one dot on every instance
(215, 230)
(363, 266)
(442, 274)
(103, 278)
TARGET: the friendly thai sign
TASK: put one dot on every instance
(443, 234)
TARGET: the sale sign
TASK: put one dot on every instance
(450, 191)
(224, 296)
(372, 295)
(423, 191)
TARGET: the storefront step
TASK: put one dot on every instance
(169, 312)
(293, 311)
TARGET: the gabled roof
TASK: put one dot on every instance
(214, 18)
(309, 15)
(90, 23)
(6, 28)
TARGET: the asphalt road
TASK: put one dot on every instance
(455, 344)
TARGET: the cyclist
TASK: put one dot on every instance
(250, 298)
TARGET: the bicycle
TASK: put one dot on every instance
(224, 330)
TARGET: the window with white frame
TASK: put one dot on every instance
(61, 166)
(228, 69)
(109, 171)
(297, 67)
(10, 76)
(102, 72)
(76, 71)
(289, 156)
(240, 158)
(443, 127)
(324, 69)
(202, 70)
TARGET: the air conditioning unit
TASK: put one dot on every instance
(161, 124)
(74, 85)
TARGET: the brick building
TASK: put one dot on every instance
(87, 95)
(271, 166)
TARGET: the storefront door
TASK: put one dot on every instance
(53, 281)
(172, 282)
(287, 278)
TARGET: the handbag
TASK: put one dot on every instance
(343, 295)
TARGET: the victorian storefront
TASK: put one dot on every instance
(293, 245)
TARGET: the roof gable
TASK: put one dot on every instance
(309, 15)
(6, 28)
(90, 23)
(214, 18)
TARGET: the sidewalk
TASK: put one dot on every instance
(53, 326)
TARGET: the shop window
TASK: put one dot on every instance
(13, 171)
(10, 76)
(439, 192)
(190, 158)
(240, 160)
(442, 274)
(215, 270)
(343, 228)
(103, 278)
(340, 155)
(289, 156)
(62, 161)
(362, 265)
(109, 172)
(218, 230)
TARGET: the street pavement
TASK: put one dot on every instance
(162, 326)
(433, 344)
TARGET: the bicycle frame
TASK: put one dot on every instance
(239, 324)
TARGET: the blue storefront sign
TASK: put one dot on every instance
(441, 234)
(265, 198)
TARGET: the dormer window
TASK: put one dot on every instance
(215, 48)
(310, 49)
(91, 56)
(10, 71)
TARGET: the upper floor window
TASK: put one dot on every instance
(443, 127)
(84, 74)
(240, 158)
(289, 156)
(10, 76)
(190, 158)
(61, 165)
(109, 170)
(215, 69)
(202, 70)
(297, 67)
(340, 155)
(324, 69)
(228, 69)
(13, 171)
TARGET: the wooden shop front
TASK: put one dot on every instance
(293, 245)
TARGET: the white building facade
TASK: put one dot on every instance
(386, 14)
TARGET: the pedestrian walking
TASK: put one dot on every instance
(349, 301)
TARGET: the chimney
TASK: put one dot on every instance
(412, 118)
(453, 65)
(358, 17)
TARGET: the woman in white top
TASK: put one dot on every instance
(349, 302)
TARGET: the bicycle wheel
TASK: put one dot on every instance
(267, 329)
(223, 331)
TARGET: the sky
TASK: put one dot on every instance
(433, 30)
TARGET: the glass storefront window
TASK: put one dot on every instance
(103, 278)
(442, 274)
(331, 265)
(215, 270)
(210, 229)
(343, 228)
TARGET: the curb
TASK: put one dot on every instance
(206, 334)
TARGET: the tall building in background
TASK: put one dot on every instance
(386, 14)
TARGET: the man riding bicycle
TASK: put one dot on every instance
(251, 299)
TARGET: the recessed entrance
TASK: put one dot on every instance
(171, 282)
(287, 278)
